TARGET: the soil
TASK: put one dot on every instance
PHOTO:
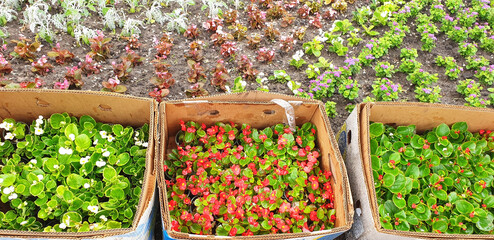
(138, 83)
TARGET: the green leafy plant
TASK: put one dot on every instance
(428, 94)
(280, 76)
(313, 47)
(439, 181)
(66, 174)
(330, 107)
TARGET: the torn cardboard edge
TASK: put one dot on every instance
(219, 108)
(103, 107)
(425, 116)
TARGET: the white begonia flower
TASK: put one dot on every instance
(84, 160)
(62, 226)
(3, 125)
(92, 226)
(95, 142)
(9, 136)
(103, 218)
(138, 143)
(445, 149)
(39, 121)
(8, 126)
(1, 180)
(38, 131)
(298, 55)
(93, 209)
(40, 177)
(8, 190)
(110, 138)
(72, 137)
(34, 182)
(2, 143)
(100, 163)
(145, 144)
(23, 223)
(384, 14)
(13, 196)
(106, 154)
(65, 151)
(56, 166)
(137, 134)
(87, 185)
(33, 161)
(103, 134)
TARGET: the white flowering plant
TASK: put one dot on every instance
(65, 174)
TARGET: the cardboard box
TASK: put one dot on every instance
(256, 109)
(354, 139)
(27, 105)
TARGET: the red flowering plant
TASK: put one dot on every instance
(233, 180)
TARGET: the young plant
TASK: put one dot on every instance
(244, 66)
(468, 86)
(254, 40)
(313, 47)
(297, 60)
(228, 49)
(196, 72)
(265, 55)
(26, 50)
(280, 76)
(220, 75)
(256, 17)
(349, 88)
(384, 69)
(428, 94)
(113, 85)
(196, 90)
(384, 89)
(467, 49)
(100, 47)
(5, 66)
(159, 94)
(452, 69)
(330, 108)
(61, 56)
(338, 47)
(286, 43)
(41, 67)
(191, 32)
(88, 66)
(74, 76)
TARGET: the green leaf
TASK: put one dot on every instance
(7, 179)
(113, 225)
(399, 202)
(117, 129)
(82, 142)
(440, 225)
(221, 231)
(489, 201)
(376, 129)
(123, 159)
(442, 130)
(389, 180)
(71, 131)
(117, 193)
(74, 181)
(56, 119)
(399, 184)
(189, 137)
(413, 171)
(464, 207)
(441, 194)
(485, 223)
(412, 219)
(71, 219)
(36, 188)
(461, 126)
(109, 173)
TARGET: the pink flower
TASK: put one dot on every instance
(63, 86)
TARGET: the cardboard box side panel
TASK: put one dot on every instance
(329, 162)
(165, 215)
(258, 115)
(426, 117)
(28, 105)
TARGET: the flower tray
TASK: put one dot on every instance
(27, 105)
(256, 109)
(355, 137)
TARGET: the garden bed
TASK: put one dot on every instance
(27, 106)
(256, 110)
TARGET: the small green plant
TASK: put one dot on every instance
(280, 76)
(467, 49)
(297, 60)
(338, 47)
(313, 47)
(384, 69)
(452, 69)
(384, 89)
(349, 88)
(428, 94)
(330, 107)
